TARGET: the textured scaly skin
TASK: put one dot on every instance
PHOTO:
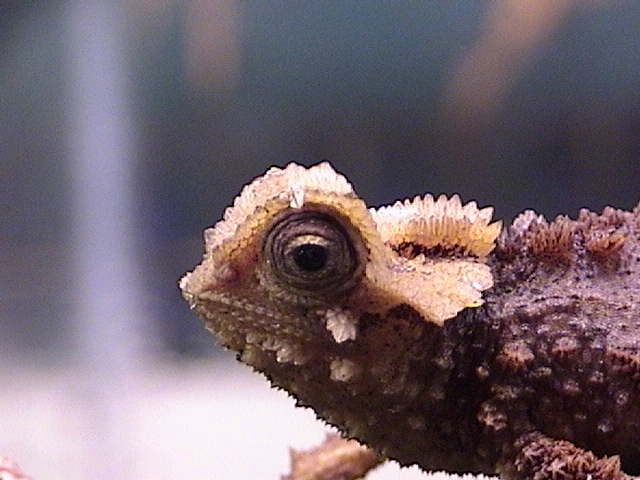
(522, 362)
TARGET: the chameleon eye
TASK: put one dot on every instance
(310, 256)
(312, 252)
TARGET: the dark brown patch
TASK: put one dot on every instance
(411, 250)
(542, 457)
(626, 362)
(553, 241)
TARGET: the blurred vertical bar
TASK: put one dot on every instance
(107, 290)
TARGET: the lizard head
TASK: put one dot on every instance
(299, 260)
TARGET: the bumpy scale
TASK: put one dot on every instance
(424, 332)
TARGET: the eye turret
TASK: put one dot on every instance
(312, 252)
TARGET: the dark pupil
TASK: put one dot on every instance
(310, 257)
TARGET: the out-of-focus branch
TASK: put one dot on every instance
(510, 38)
(335, 458)
(9, 470)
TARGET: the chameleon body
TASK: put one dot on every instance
(430, 334)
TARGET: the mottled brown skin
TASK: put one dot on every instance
(566, 361)
(542, 381)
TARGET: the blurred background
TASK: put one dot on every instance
(126, 127)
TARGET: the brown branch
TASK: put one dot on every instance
(335, 459)
(9, 470)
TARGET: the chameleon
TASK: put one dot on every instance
(431, 334)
